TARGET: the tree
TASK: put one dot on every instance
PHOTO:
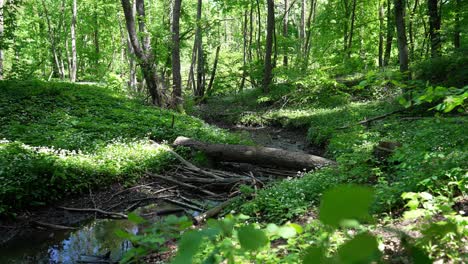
(269, 45)
(73, 59)
(1, 38)
(176, 77)
(456, 35)
(434, 26)
(200, 84)
(401, 35)
(381, 33)
(143, 52)
(285, 27)
(390, 32)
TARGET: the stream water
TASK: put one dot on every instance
(97, 236)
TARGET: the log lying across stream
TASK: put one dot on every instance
(256, 155)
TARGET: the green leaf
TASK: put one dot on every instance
(188, 247)
(123, 234)
(287, 232)
(134, 218)
(315, 255)
(251, 238)
(363, 248)
(346, 202)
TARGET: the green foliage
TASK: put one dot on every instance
(443, 231)
(440, 98)
(445, 70)
(61, 139)
(335, 206)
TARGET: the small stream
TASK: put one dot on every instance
(97, 236)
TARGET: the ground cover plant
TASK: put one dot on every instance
(59, 139)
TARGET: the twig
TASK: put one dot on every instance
(181, 183)
(365, 121)
(189, 206)
(52, 226)
(94, 210)
(128, 189)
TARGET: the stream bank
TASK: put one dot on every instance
(24, 242)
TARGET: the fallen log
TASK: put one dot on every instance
(199, 219)
(256, 154)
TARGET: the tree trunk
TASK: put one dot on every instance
(52, 39)
(285, 28)
(302, 30)
(434, 26)
(176, 77)
(269, 46)
(2, 4)
(390, 31)
(456, 36)
(73, 61)
(381, 33)
(410, 29)
(144, 54)
(256, 155)
(200, 89)
(259, 35)
(97, 50)
(244, 52)
(309, 32)
(351, 31)
(213, 72)
(401, 35)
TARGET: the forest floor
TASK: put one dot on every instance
(77, 140)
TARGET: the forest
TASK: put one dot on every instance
(233, 131)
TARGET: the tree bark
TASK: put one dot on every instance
(390, 31)
(351, 31)
(213, 72)
(401, 35)
(256, 155)
(200, 89)
(381, 33)
(434, 26)
(176, 77)
(308, 44)
(2, 4)
(302, 30)
(244, 52)
(285, 28)
(456, 36)
(73, 66)
(144, 54)
(269, 46)
(410, 29)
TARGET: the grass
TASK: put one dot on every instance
(59, 138)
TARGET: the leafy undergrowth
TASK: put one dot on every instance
(426, 165)
(59, 138)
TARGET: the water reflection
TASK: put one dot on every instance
(96, 238)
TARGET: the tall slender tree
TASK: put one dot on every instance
(2, 4)
(285, 28)
(434, 26)
(74, 57)
(176, 77)
(143, 52)
(401, 35)
(269, 45)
